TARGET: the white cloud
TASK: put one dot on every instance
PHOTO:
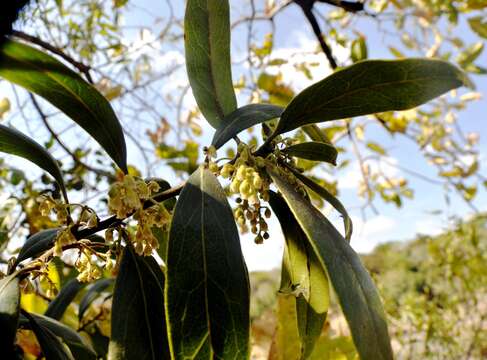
(372, 232)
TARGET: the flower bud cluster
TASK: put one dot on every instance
(251, 184)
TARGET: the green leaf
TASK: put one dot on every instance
(52, 347)
(37, 244)
(207, 46)
(479, 25)
(138, 320)
(243, 118)
(303, 276)
(58, 306)
(286, 344)
(353, 286)
(92, 293)
(358, 51)
(332, 200)
(369, 87)
(316, 134)
(47, 77)
(207, 286)
(46, 326)
(313, 150)
(9, 312)
(14, 142)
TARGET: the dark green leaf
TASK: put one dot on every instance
(207, 46)
(92, 293)
(37, 244)
(327, 196)
(302, 275)
(78, 347)
(376, 148)
(58, 306)
(63, 88)
(369, 87)
(138, 320)
(15, 143)
(9, 312)
(353, 286)
(207, 287)
(313, 150)
(243, 118)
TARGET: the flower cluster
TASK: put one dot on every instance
(128, 197)
(250, 182)
(87, 267)
(64, 237)
(48, 204)
(144, 240)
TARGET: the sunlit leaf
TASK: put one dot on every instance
(353, 286)
(479, 25)
(303, 276)
(14, 142)
(9, 312)
(207, 46)
(369, 87)
(138, 321)
(286, 343)
(63, 88)
(313, 150)
(207, 287)
(243, 118)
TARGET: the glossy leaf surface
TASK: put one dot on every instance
(138, 321)
(207, 288)
(352, 283)
(207, 47)
(47, 77)
(244, 118)
(369, 87)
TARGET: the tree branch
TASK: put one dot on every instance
(84, 69)
(307, 7)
